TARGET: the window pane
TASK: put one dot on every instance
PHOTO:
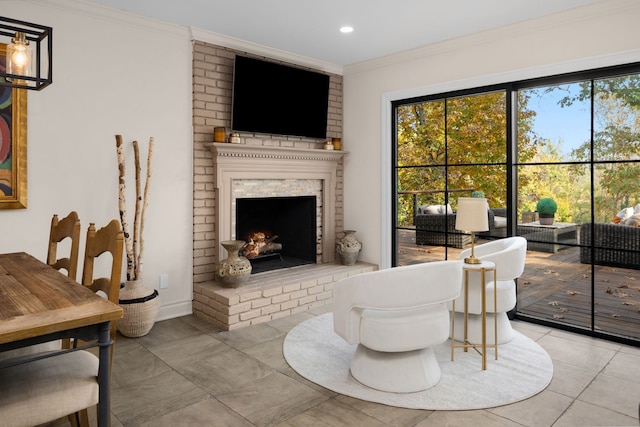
(491, 180)
(421, 139)
(556, 120)
(617, 118)
(615, 188)
(476, 129)
(569, 185)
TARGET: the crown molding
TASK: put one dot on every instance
(99, 11)
(533, 26)
(258, 49)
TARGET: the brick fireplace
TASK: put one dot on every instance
(244, 171)
(263, 165)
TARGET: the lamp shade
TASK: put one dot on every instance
(472, 214)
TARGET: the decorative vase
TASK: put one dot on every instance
(140, 306)
(546, 219)
(235, 269)
(348, 247)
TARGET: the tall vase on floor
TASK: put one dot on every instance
(140, 306)
(235, 269)
(348, 247)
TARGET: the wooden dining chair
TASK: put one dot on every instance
(65, 385)
(68, 227)
(109, 239)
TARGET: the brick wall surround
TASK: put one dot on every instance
(212, 92)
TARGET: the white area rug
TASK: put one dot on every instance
(524, 369)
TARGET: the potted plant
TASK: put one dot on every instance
(139, 303)
(546, 209)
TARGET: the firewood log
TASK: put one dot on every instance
(270, 247)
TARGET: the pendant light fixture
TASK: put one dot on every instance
(21, 68)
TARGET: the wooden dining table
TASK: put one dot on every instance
(39, 304)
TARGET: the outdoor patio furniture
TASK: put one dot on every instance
(548, 238)
(497, 227)
(430, 230)
(614, 244)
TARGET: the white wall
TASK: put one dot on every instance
(117, 73)
(604, 34)
(112, 74)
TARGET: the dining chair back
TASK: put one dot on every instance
(68, 227)
(108, 239)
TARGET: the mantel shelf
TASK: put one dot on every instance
(225, 149)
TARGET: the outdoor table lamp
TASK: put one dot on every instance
(472, 215)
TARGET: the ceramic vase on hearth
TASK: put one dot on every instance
(234, 270)
(348, 247)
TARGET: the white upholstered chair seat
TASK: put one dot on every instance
(403, 330)
(37, 392)
(395, 316)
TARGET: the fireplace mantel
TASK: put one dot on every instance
(285, 154)
(247, 162)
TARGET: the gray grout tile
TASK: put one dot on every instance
(186, 372)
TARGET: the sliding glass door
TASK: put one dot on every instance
(583, 269)
(573, 138)
(446, 148)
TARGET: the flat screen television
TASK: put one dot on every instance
(278, 99)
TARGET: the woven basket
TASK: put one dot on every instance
(140, 305)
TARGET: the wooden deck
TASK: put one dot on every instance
(557, 287)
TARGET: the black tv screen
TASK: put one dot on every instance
(279, 99)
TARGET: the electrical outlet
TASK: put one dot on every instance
(164, 281)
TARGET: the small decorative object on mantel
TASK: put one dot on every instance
(139, 303)
(219, 134)
(328, 145)
(348, 247)
(337, 143)
(235, 269)
(546, 208)
(234, 138)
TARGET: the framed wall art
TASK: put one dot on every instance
(13, 144)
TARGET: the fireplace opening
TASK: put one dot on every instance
(280, 232)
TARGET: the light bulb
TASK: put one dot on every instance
(19, 56)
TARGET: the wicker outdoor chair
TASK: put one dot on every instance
(440, 230)
(614, 244)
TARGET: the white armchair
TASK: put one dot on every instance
(509, 256)
(395, 316)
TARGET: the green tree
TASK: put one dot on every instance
(616, 141)
(457, 143)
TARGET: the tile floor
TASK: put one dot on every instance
(187, 373)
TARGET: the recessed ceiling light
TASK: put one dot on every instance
(346, 29)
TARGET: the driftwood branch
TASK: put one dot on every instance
(136, 215)
(147, 184)
(134, 243)
(122, 207)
